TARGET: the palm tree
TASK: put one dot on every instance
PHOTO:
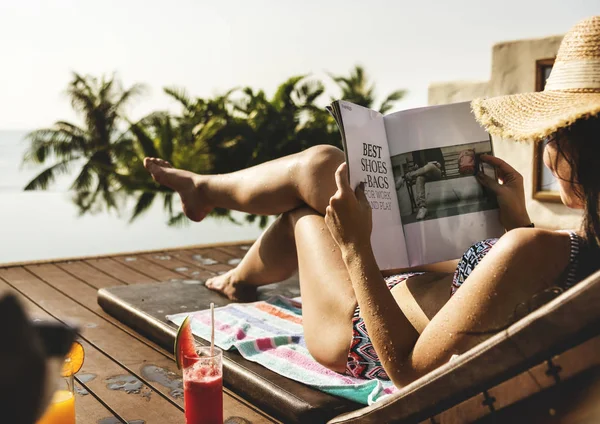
(91, 147)
(357, 89)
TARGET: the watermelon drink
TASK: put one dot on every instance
(203, 387)
(202, 377)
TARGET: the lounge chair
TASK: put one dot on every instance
(480, 384)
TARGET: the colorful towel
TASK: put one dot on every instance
(270, 333)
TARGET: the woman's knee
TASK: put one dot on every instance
(322, 159)
(292, 217)
(315, 177)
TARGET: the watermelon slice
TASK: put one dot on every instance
(185, 346)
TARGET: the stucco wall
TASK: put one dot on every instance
(513, 71)
(459, 91)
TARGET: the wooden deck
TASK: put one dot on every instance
(126, 378)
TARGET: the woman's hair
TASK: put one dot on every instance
(579, 145)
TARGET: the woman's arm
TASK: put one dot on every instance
(523, 264)
(348, 217)
(509, 192)
(392, 334)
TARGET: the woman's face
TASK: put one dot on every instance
(560, 168)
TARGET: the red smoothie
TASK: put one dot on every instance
(203, 396)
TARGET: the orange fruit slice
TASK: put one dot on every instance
(74, 360)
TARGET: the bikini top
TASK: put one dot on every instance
(474, 254)
(574, 272)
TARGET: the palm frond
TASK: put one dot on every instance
(338, 79)
(108, 196)
(127, 96)
(144, 202)
(145, 141)
(308, 91)
(84, 200)
(53, 141)
(282, 96)
(179, 220)
(48, 175)
(106, 88)
(124, 151)
(388, 102)
(166, 138)
(81, 93)
(84, 179)
(168, 203)
(70, 128)
(264, 220)
(179, 94)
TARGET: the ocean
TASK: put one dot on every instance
(38, 225)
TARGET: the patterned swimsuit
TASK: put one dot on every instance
(363, 361)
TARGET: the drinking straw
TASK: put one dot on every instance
(212, 328)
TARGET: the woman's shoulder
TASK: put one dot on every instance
(538, 245)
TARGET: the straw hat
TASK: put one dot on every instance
(572, 91)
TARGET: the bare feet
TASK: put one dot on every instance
(188, 185)
(229, 286)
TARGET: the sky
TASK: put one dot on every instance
(208, 47)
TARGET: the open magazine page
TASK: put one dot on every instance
(435, 156)
(368, 160)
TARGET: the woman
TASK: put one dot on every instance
(402, 326)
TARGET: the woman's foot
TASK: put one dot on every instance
(230, 286)
(188, 185)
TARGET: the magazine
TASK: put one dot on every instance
(419, 168)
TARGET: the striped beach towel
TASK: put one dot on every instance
(270, 333)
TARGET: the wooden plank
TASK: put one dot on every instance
(204, 261)
(234, 251)
(92, 276)
(130, 353)
(110, 255)
(98, 376)
(89, 410)
(119, 271)
(173, 263)
(146, 267)
(215, 254)
(86, 296)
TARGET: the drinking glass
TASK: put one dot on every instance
(62, 407)
(203, 386)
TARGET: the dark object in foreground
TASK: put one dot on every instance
(26, 349)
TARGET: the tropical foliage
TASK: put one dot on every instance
(93, 147)
(357, 88)
(241, 128)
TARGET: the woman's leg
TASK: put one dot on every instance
(271, 188)
(328, 300)
(299, 240)
(272, 258)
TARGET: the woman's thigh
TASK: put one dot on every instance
(328, 300)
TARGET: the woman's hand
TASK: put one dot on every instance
(510, 193)
(349, 215)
